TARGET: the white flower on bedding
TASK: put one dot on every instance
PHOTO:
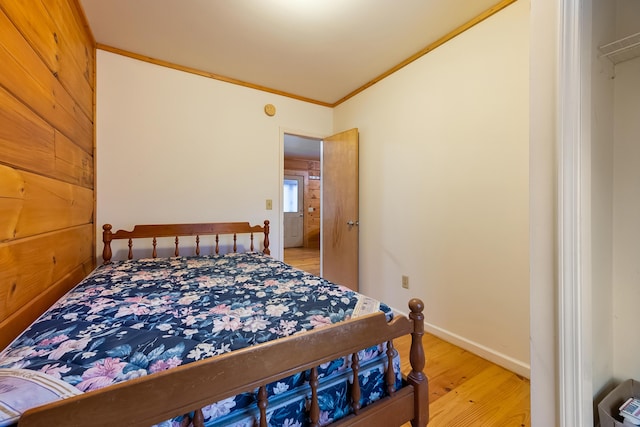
(261, 294)
(256, 324)
(70, 316)
(227, 323)
(290, 422)
(280, 388)
(164, 327)
(224, 348)
(243, 312)
(374, 396)
(276, 310)
(88, 354)
(200, 351)
(219, 409)
(190, 332)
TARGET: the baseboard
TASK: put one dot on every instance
(513, 365)
(516, 366)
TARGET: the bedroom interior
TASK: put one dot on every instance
(467, 132)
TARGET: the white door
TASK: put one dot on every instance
(293, 198)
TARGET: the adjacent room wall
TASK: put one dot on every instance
(444, 197)
(310, 171)
(177, 147)
(46, 157)
(601, 209)
(626, 214)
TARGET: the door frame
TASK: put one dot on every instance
(573, 218)
(306, 134)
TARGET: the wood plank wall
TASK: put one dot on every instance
(310, 170)
(47, 85)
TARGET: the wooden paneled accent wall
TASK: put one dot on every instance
(310, 170)
(47, 84)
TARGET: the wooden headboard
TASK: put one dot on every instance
(180, 230)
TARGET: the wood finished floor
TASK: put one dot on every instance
(464, 389)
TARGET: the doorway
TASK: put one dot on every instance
(301, 223)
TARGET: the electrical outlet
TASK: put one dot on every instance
(269, 204)
(405, 282)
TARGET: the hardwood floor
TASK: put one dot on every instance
(464, 389)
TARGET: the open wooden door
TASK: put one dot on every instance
(340, 208)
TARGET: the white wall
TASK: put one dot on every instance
(626, 213)
(177, 147)
(444, 175)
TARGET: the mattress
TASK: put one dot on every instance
(133, 318)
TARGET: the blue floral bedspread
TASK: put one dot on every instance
(133, 318)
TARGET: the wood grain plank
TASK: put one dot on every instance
(42, 204)
(72, 164)
(11, 200)
(28, 267)
(497, 400)
(26, 140)
(28, 78)
(43, 25)
(77, 53)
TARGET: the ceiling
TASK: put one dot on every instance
(317, 50)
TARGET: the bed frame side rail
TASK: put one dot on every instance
(190, 387)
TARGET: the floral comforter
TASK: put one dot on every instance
(133, 318)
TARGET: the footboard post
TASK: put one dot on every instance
(106, 239)
(266, 249)
(416, 377)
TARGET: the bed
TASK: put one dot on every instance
(214, 336)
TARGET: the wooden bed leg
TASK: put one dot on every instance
(416, 377)
(106, 239)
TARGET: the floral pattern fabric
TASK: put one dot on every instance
(133, 318)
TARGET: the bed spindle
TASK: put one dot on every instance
(177, 252)
(263, 402)
(235, 245)
(130, 254)
(196, 421)
(390, 375)
(217, 244)
(154, 254)
(251, 247)
(107, 236)
(314, 406)
(197, 245)
(355, 387)
(266, 249)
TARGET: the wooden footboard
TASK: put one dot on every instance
(186, 389)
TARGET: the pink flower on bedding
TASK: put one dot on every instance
(163, 365)
(220, 309)
(101, 374)
(319, 321)
(67, 346)
(55, 370)
(55, 340)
